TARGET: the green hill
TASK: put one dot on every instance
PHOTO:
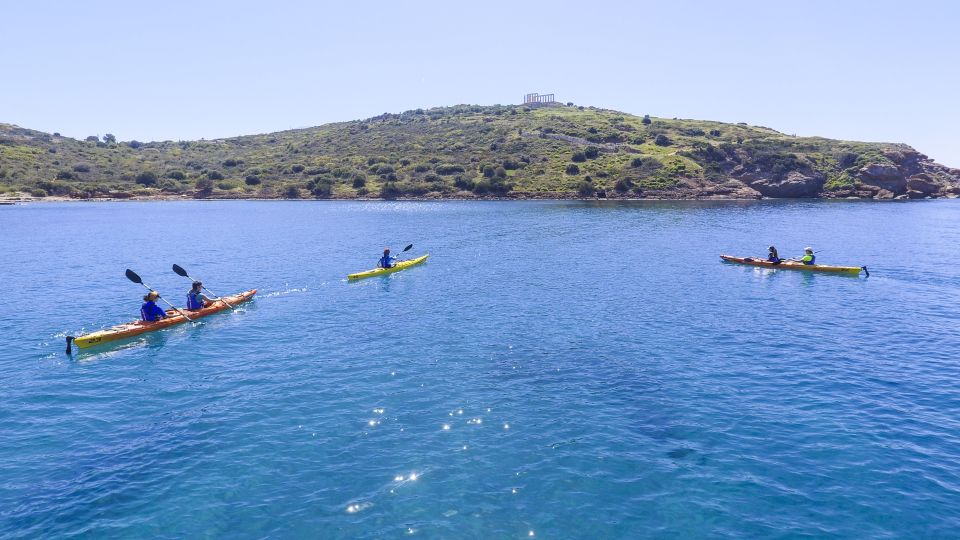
(477, 151)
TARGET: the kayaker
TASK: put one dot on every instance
(773, 256)
(195, 298)
(150, 311)
(808, 256)
(387, 261)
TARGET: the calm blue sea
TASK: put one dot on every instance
(556, 370)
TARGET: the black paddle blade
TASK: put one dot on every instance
(180, 271)
(407, 248)
(132, 276)
(69, 342)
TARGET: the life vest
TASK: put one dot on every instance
(194, 300)
(386, 261)
(150, 312)
(809, 258)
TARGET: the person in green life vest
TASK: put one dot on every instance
(808, 256)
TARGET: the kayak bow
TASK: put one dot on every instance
(402, 265)
(136, 328)
(793, 265)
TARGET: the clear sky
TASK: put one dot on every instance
(863, 70)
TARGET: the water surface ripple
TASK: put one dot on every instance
(557, 369)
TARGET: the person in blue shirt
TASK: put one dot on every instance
(150, 311)
(773, 256)
(808, 256)
(195, 298)
(387, 261)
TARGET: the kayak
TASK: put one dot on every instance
(136, 328)
(402, 265)
(794, 265)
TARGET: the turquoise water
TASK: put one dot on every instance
(557, 369)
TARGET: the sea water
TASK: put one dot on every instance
(555, 370)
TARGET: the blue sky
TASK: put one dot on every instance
(875, 71)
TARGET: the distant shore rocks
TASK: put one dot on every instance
(795, 184)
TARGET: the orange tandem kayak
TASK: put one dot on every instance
(793, 265)
(136, 328)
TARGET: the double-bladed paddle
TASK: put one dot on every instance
(181, 272)
(132, 276)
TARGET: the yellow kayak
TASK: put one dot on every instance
(402, 265)
(793, 265)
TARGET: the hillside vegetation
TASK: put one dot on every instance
(476, 151)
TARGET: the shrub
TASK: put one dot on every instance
(297, 168)
(146, 178)
(176, 175)
(252, 180)
(463, 183)
(488, 171)
(37, 192)
(847, 160)
(623, 185)
(110, 138)
(500, 172)
(56, 188)
(359, 180)
(714, 132)
(215, 175)
(511, 165)
(322, 190)
(646, 120)
(432, 177)
(404, 162)
(204, 185)
(578, 157)
(662, 140)
(585, 189)
(292, 192)
(231, 163)
(64, 175)
(383, 169)
(227, 185)
(134, 144)
(482, 187)
(592, 152)
(170, 186)
(448, 169)
(572, 169)
(81, 167)
(592, 130)
(390, 191)
(421, 168)
(92, 138)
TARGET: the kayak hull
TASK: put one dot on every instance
(402, 265)
(135, 328)
(792, 265)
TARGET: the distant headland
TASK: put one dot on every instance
(538, 150)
